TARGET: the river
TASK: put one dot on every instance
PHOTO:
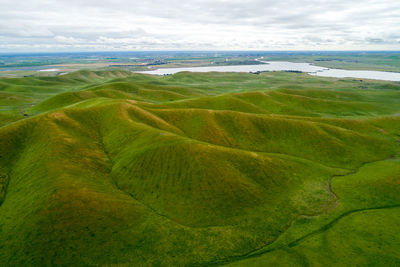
(287, 66)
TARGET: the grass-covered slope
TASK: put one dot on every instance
(115, 168)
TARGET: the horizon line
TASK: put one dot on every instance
(166, 50)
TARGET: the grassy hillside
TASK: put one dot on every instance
(199, 169)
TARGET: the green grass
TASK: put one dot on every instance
(362, 230)
(115, 168)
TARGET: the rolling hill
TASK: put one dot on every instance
(199, 169)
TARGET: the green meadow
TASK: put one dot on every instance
(113, 168)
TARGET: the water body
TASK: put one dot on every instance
(287, 66)
(48, 70)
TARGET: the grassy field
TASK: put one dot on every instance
(199, 169)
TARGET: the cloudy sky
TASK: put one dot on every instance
(100, 25)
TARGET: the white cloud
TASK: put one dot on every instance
(68, 40)
(199, 24)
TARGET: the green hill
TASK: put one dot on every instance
(198, 169)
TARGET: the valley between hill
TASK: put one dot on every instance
(199, 169)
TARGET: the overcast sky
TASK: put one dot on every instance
(93, 25)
